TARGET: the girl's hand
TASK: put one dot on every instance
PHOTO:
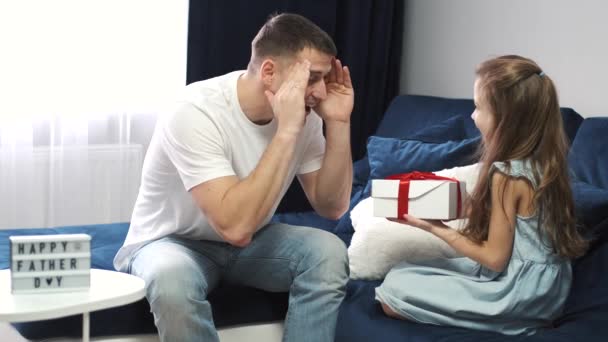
(427, 225)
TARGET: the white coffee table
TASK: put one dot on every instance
(108, 289)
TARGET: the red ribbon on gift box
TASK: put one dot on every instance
(404, 188)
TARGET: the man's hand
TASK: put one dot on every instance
(288, 102)
(340, 95)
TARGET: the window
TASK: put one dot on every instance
(71, 58)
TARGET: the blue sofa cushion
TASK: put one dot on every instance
(588, 157)
(231, 305)
(361, 320)
(585, 314)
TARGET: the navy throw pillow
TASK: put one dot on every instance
(450, 129)
(388, 156)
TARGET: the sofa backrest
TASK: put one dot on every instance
(588, 157)
(572, 122)
(408, 114)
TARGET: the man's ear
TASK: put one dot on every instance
(268, 70)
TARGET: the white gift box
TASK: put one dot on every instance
(427, 199)
(50, 263)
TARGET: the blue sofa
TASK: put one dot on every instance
(417, 132)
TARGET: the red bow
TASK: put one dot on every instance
(404, 188)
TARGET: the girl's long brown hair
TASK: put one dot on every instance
(527, 125)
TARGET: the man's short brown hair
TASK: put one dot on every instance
(284, 35)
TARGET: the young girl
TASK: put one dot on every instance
(515, 274)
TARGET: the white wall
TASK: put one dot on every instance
(445, 39)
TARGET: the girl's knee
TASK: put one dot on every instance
(390, 312)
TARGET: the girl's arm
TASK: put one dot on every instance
(495, 252)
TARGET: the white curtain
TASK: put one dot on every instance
(81, 84)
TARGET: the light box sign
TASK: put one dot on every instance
(50, 263)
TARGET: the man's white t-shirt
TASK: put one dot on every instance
(208, 136)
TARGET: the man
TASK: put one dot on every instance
(215, 172)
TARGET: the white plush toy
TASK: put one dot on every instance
(378, 244)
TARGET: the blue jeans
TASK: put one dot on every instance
(310, 263)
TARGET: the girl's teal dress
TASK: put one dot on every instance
(527, 295)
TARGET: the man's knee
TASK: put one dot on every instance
(172, 282)
(328, 253)
(333, 249)
(176, 289)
